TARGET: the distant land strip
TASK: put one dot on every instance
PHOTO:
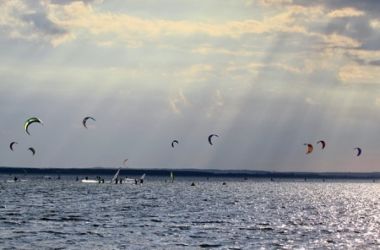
(190, 173)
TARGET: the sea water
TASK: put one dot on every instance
(243, 214)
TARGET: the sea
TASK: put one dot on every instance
(43, 212)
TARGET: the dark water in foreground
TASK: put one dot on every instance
(39, 214)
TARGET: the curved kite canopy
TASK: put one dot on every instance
(125, 162)
(358, 151)
(210, 138)
(174, 142)
(309, 148)
(31, 121)
(84, 122)
(323, 144)
(32, 150)
(12, 144)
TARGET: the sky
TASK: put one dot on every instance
(267, 76)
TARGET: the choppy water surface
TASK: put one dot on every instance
(240, 215)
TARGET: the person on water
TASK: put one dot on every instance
(121, 181)
(15, 179)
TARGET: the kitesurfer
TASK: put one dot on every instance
(31, 121)
(12, 144)
(359, 151)
(84, 122)
(309, 148)
(32, 150)
(174, 142)
(210, 138)
(323, 144)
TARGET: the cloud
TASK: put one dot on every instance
(270, 2)
(375, 63)
(65, 2)
(368, 6)
(357, 20)
(311, 101)
(132, 29)
(178, 102)
(209, 49)
(30, 22)
(359, 74)
(42, 24)
(345, 12)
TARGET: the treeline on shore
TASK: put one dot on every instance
(190, 173)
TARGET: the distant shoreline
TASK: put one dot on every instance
(190, 173)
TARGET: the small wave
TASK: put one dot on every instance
(54, 232)
(259, 228)
(75, 218)
(156, 220)
(182, 227)
(209, 222)
(182, 244)
(208, 245)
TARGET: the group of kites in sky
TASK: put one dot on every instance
(30, 121)
(310, 148)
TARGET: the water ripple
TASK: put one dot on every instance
(40, 214)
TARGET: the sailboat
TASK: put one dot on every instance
(126, 180)
(115, 176)
(172, 177)
(86, 180)
(134, 181)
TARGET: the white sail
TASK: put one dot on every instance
(89, 181)
(115, 176)
(172, 176)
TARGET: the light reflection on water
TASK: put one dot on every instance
(248, 214)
